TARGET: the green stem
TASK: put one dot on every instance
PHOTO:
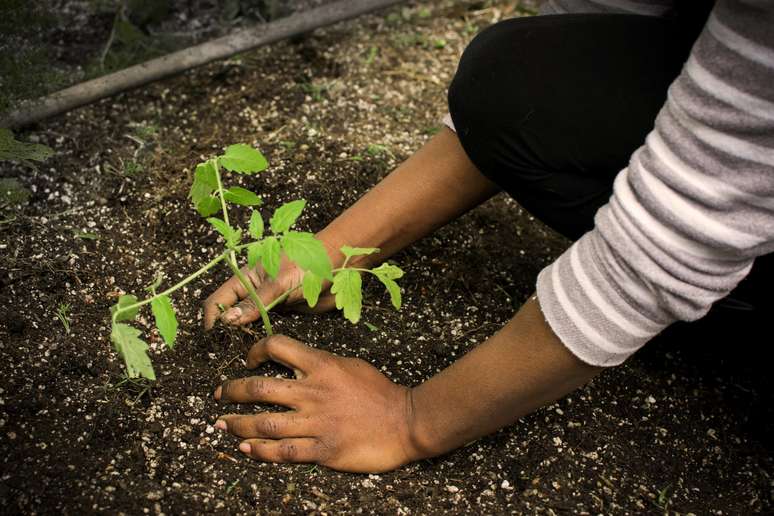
(289, 291)
(232, 261)
(185, 281)
(251, 292)
(220, 190)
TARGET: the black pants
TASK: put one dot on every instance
(551, 108)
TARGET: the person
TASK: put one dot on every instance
(643, 130)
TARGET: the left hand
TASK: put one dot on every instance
(344, 414)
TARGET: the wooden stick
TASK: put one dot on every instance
(182, 60)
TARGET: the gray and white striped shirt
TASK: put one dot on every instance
(694, 207)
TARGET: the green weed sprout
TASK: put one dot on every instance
(210, 198)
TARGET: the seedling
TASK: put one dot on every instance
(63, 314)
(210, 197)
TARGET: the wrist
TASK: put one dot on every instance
(422, 441)
(333, 243)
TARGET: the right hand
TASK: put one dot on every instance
(238, 308)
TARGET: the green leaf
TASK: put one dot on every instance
(133, 350)
(349, 252)
(347, 286)
(232, 236)
(308, 253)
(243, 159)
(388, 270)
(14, 150)
(387, 274)
(286, 215)
(208, 206)
(204, 184)
(256, 225)
(270, 256)
(254, 251)
(312, 286)
(165, 319)
(394, 291)
(371, 326)
(124, 301)
(241, 196)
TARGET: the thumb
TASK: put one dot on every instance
(245, 311)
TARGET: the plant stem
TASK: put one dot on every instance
(174, 287)
(289, 291)
(252, 293)
(232, 261)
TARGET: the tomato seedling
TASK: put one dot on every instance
(210, 198)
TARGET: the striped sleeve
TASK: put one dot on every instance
(692, 210)
(642, 7)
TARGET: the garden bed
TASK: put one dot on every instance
(678, 428)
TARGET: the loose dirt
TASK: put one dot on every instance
(685, 426)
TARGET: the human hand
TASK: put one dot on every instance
(344, 413)
(237, 307)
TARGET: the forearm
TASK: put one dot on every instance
(435, 185)
(521, 368)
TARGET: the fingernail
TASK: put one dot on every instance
(233, 315)
(220, 425)
(244, 447)
(217, 392)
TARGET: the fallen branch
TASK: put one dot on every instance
(180, 61)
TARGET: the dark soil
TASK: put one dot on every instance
(685, 426)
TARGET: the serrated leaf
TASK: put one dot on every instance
(347, 286)
(243, 159)
(208, 206)
(311, 286)
(349, 252)
(286, 215)
(254, 251)
(133, 350)
(394, 291)
(308, 253)
(256, 225)
(388, 270)
(241, 196)
(387, 274)
(124, 301)
(204, 183)
(166, 321)
(270, 256)
(232, 236)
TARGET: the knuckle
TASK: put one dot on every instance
(288, 452)
(275, 342)
(258, 388)
(267, 426)
(226, 390)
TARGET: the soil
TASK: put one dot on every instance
(685, 426)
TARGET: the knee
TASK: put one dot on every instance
(478, 82)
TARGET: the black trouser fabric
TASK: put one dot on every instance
(551, 108)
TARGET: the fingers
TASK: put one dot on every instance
(275, 425)
(285, 450)
(286, 351)
(226, 296)
(260, 389)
